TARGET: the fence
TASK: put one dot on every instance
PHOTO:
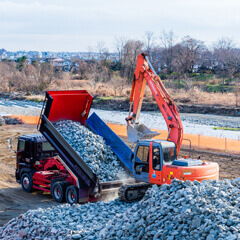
(27, 119)
(200, 141)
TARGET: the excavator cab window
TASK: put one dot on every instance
(156, 159)
(169, 152)
(142, 164)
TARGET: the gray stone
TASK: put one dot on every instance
(164, 213)
(76, 236)
(23, 232)
(196, 223)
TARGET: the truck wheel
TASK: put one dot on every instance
(27, 182)
(72, 194)
(58, 191)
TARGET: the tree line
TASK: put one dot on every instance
(180, 58)
(170, 58)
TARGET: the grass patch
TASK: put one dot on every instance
(36, 98)
(226, 128)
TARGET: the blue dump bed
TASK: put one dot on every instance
(123, 152)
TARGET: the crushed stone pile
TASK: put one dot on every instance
(93, 150)
(63, 221)
(182, 210)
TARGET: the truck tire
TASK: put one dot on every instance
(58, 191)
(27, 182)
(72, 194)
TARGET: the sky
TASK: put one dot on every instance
(77, 25)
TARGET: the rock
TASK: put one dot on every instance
(54, 230)
(76, 236)
(23, 233)
(196, 223)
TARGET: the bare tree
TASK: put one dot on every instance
(118, 84)
(207, 61)
(149, 41)
(80, 67)
(119, 45)
(46, 75)
(187, 54)
(90, 52)
(7, 73)
(131, 50)
(227, 57)
(167, 42)
(102, 50)
(237, 91)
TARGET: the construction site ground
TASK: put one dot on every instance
(14, 201)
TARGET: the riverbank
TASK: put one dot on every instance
(123, 105)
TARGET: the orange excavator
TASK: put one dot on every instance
(145, 73)
(154, 161)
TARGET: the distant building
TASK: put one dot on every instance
(61, 64)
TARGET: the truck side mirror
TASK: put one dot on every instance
(10, 144)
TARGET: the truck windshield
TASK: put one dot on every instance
(169, 152)
(46, 146)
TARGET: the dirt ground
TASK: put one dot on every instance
(14, 201)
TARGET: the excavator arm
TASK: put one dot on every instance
(144, 73)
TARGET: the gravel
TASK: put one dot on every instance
(93, 150)
(182, 210)
(63, 221)
(20, 107)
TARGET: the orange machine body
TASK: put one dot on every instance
(182, 169)
(208, 170)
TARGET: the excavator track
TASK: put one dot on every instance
(133, 192)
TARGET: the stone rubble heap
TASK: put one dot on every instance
(63, 221)
(93, 150)
(182, 210)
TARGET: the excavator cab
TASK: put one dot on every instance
(149, 158)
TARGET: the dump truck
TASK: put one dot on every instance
(47, 162)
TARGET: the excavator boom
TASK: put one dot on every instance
(144, 73)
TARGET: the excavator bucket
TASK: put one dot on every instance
(136, 132)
